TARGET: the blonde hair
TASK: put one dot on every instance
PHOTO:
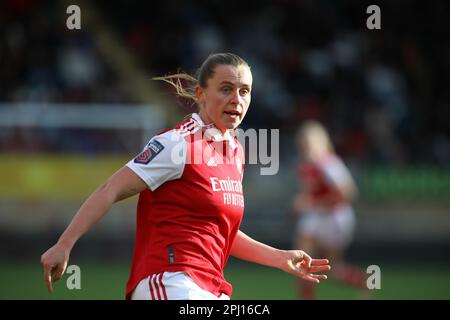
(182, 91)
(317, 137)
(205, 72)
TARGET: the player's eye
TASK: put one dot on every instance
(226, 90)
(244, 92)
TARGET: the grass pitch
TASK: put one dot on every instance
(106, 280)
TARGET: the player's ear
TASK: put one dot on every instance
(200, 94)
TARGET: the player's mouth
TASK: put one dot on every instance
(233, 114)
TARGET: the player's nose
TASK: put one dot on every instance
(236, 98)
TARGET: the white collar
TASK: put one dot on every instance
(199, 120)
(214, 134)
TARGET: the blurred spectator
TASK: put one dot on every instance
(381, 93)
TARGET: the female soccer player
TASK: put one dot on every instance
(191, 202)
(323, 205)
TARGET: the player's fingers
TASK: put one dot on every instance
(319, 268)
(316, 262)
(307, 260)
(310, 278)
(57, 273)
(320, 276)
(314, 277)
(48, 278)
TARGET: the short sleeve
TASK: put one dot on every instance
(162, 159)
(335, 172)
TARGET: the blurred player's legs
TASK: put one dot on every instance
(172, 286)
(328, 235)
(346, 273)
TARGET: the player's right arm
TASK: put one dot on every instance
(121, 185)
(161, 160)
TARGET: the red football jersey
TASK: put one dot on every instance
(321, 178)
(188, 218)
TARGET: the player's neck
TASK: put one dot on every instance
(206, 121)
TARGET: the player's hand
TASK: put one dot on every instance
(54, 261)
(300, 264)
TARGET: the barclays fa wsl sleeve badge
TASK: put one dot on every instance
(150, 152)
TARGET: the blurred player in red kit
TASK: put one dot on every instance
(323, 206)
(191, 203)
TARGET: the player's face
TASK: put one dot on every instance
(314, 145)
(226, 98)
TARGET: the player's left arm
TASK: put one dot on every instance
(342, 183)
(296, 262)
(346, 189)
